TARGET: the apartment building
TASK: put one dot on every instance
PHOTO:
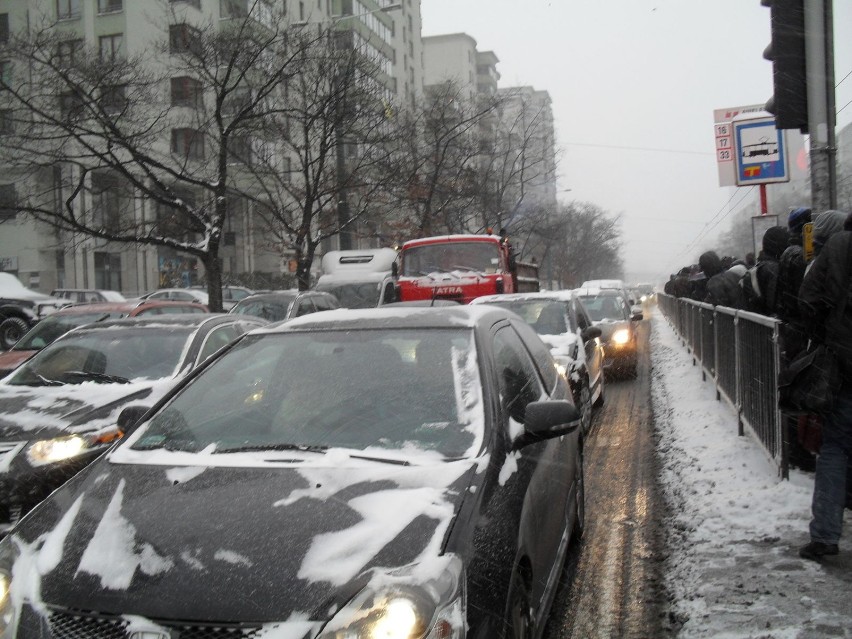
(455, 57)
(388, 33)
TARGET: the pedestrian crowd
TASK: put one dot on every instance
(813, 300)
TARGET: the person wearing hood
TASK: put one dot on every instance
(825, 301)
(762, 297)
(792, 336)
(723, 285)
(827, 224)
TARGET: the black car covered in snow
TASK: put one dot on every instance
(58, 410)
(406, 472)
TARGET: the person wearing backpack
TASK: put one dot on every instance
(760, 285)
(825, 301)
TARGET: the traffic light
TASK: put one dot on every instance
(789, 102)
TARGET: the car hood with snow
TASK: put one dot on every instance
(316, 526)
(28, 413)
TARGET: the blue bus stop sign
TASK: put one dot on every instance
(760, 152)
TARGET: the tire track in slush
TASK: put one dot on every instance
(611, 583)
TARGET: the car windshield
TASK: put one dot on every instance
(354, 294)
(109, 355)
(53, 327)
(308, 390)
(272, 309)
(547, 317)
(483, 257)
(603, 307)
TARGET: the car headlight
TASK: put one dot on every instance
(49, 451)
(401, 605)
(621, 336)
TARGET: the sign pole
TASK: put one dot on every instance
(764, 209)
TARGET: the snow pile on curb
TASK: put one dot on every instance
(735, 527)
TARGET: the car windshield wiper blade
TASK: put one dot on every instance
(96, 377)
(266, 447)
(44, 381)
(382, 460)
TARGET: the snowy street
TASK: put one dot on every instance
(735, 528)
(712, 549)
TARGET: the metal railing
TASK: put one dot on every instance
(739, 351)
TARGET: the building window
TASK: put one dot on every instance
(239, 150)
(114, 99)
(110, 46)
(108, 199)
(184, 39)
(6, 71)
(233, 8)
(109, 6)
(188, 143)
(70, 105)
(239, 99)
(68, 52)
(67, 9)
(186, 92)
(194, 3)
(4, 28)
(8, 202)
(6, 122)
(108, 271)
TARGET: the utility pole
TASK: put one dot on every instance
(819, 60)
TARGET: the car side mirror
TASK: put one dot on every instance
(636, 314)
(395, 270)
(548, 419)
(130, 416)
(591, 333)
(390, 295)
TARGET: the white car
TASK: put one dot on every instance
(179, 295)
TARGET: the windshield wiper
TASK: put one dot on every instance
(383, 460)
(265, 447)
(42, 381)
(96, 377)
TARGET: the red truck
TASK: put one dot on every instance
(461, 268)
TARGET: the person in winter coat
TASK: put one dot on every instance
(791, 269)
(827, 224)
(762, 285)
(826, 307)
(723, 287)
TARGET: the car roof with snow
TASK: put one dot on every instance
(562, 296)
(394, 318)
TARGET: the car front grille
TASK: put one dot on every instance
(68, 625)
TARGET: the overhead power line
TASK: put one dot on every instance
(639, 148)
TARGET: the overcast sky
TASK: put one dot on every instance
(634, 84)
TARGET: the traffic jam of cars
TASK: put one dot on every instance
(408, 467)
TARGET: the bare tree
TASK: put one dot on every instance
(336, 127)
(177, 137)
(516, 161)
(435, 160)
(585, 243)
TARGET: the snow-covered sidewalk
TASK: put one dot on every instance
(734, 528)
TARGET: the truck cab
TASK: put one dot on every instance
(359, 278)
(461, 268)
